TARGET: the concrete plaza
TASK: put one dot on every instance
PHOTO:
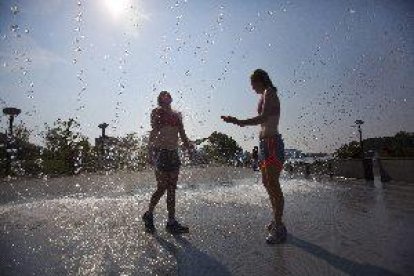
(91, 225)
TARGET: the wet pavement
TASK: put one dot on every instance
(90, 225)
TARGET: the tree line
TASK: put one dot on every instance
(400, 145)
(66, 151)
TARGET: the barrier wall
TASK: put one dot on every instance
(349, 168)
(399, 169)
(388, 169)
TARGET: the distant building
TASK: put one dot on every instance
(293, 154)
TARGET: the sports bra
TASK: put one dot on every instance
(167, 118)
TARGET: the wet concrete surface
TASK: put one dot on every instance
(94, 227)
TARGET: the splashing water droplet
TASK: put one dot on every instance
(14, 9)
(78, 18)
(250, 27)
(220, 18)
(14, 28)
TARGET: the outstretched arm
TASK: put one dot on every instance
(253, 121)
(257, 120)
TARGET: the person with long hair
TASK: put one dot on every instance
(167, 125)
(271, 148)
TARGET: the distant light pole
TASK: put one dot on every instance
(103, 126)
(366, 163)
(359, 123)
(11, 112)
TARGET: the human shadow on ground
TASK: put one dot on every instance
(191, 260)
(343, 264)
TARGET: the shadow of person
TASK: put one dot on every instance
(340, 263)
(190, 260)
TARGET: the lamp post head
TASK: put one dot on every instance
(359, 122)
(12, 111)
(103, 125)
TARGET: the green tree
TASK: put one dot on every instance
(66, 148)
(403, 144)
(25, 155)
(129, 152)
(3, 156)
(351, 150)
(221, 148)
(400, 145)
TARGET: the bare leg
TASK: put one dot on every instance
(272, 185)
(171, 203)
(172, 185)
(161, 187)
(173, 226)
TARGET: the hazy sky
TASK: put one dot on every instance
(333, 62)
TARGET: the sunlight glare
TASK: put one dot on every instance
(116, 7)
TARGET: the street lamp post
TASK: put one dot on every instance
(366, 163)
(11, 112)
(103, 126)
(359, 123)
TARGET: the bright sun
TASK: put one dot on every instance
(116, 7)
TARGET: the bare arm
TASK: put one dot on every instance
(155, 127)
(261, 118)
(183, 135)
(155, 122)
(152, 136)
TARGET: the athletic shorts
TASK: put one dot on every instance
(272, 152)
(167, 160)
